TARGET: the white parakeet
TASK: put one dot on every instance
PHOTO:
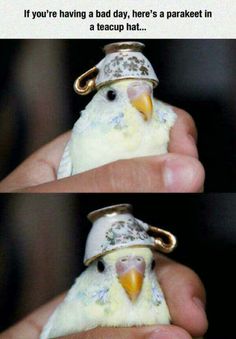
(118, 289)
(122, 121)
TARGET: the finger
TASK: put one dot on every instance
(185, 296)
(183, 135)
(31, 326)
(149, 332)
(166, 173)
(39, 168)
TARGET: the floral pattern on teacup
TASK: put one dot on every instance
(124, 232)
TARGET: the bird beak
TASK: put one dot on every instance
(132, 282)
(143, 103)
(140, 98)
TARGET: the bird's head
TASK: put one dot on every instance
(122, 94)
(129, 266)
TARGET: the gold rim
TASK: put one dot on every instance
(109, 211)
(90, 260)
(123, 46)
(107, 82)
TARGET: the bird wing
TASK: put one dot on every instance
(48, 327)
(65, 167)
(68, 316)
(77, 312)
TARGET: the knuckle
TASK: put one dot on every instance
(188, 122)
(122, 175)
(114, 175)
(193, 280)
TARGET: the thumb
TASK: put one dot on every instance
(165, 173)
(148, 332)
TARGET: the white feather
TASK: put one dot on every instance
(109, 131)
(98, 299)
(65, 167)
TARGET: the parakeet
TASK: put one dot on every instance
(122, 121)
(118, 289)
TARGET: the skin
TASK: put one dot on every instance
(177, 171)
(185, 297)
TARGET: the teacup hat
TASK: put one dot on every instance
(123, 60)
(115, 227)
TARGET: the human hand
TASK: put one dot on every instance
(177, 171)
(185, 297)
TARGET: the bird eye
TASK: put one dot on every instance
(100, 266)
(111, 95)
(153, 265)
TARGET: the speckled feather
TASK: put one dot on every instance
(98, 299)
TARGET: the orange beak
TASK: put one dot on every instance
(132, 282)
(143, 103)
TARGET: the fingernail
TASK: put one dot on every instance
(178, 175)
(199, 303)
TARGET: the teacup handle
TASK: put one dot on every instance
(159, 243)
(89, 83)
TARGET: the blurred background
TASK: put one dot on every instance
(37, 101)
(42, 240)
